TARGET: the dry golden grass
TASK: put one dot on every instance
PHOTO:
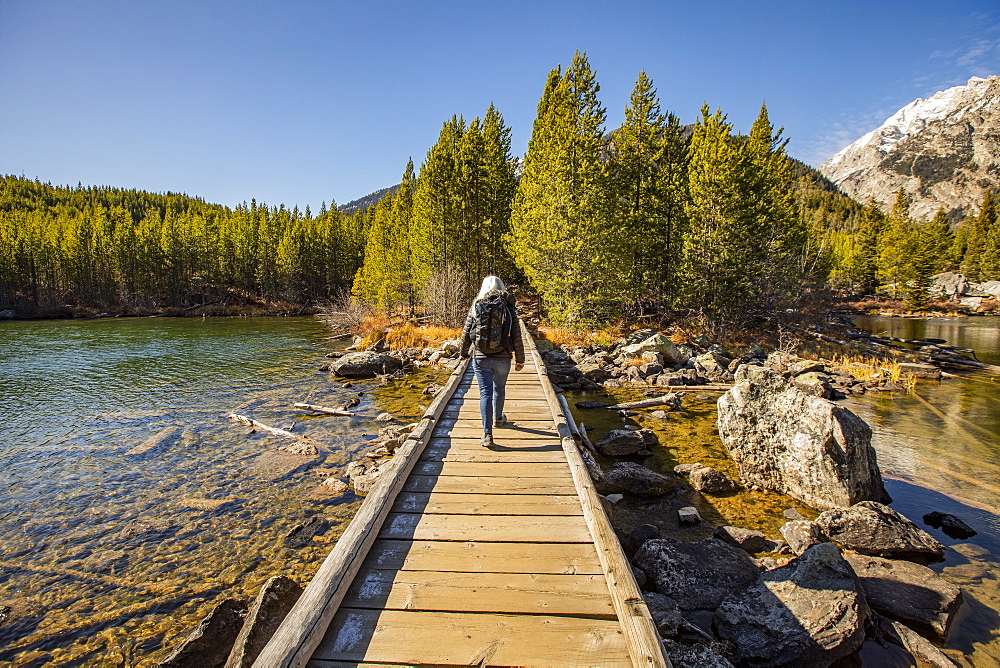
(409, 335)
(559, 336)
(875, 370)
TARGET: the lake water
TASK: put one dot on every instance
(129, 504)
(940, 450)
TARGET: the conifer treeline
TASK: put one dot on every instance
(119, 249)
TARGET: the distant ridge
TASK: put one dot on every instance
(363, 203)
(944, 150)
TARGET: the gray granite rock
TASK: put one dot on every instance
(632, 478)
(908, 592)
(699, 574)
(876, 529)
(809, 612)
(787, 441)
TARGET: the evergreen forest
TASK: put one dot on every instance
(650, 218)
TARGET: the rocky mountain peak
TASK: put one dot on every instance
(945, 150)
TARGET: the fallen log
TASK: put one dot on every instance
(306, 446)
(672, 400)
(582, 428)
(323, 409)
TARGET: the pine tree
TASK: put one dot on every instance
(893, 242)
(978, 241)
(645, 177)
(940, 239)
(865, 265)
(777, 243)
(558, 236)
(386, 278)
(500, 184)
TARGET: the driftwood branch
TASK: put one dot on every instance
(323, 409)
(306, 446)
(672, 401)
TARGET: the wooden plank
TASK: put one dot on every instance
(509, 433)
(417, 637)
(522, 593)
(427, 483)
(487, 504)
(473, 452)
(303, 627)
(493, 469)
(486, 528)
(501, 444)
(480, 557)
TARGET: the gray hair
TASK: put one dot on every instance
(491, 283)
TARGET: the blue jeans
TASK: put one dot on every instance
(492, 377)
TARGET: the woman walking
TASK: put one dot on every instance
(491, 336)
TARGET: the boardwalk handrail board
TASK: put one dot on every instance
(302, 632)
(303, 628)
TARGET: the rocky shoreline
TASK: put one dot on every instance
(852, 575)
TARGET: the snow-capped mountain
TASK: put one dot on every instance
(944, 150)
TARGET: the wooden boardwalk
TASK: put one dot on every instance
(481, 556)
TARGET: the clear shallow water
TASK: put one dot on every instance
(940, 450)
(129, 505)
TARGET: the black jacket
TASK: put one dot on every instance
(469, 333)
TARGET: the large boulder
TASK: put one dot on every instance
(366, 364)
(809, 612)
(620, 442)
(908, 592)
(698, 575)
(632, 478)
(660, 344)
(872, 528)
(948, 285)
(785, 440)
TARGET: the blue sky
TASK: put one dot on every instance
(300, 102)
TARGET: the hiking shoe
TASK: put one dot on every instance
(486, 441)
(500, 421)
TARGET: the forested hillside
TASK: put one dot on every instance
(650, 218)
(125, 250)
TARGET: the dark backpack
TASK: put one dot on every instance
(492, 333)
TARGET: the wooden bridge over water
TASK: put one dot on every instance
(464, 555)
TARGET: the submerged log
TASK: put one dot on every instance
(672, 400)
(323, 409)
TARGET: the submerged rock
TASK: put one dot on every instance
(632, 478)
(952, 526)
(699, 574)
(711, 481)
(809, 612)
(620, 442)
(745, 539)
(875, 529)
(787, 441)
